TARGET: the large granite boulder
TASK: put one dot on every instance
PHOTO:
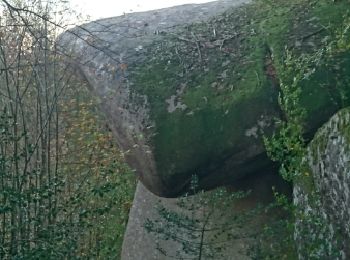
(322, 195)
(191, 89)
(234, 226)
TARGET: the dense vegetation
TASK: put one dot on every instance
(321, 65)
(65, 191)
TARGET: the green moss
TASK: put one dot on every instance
(209, 132)
(319, 143)
(327, 90)
(222, 79)
(345, 127)
(306, 180)
(331, 14)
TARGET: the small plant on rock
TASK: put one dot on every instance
(200, 224)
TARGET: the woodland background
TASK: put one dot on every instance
(64, 188)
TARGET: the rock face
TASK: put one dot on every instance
(139, 244)
(323, 226)
(191, 89)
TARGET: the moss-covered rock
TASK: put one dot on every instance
(192, 89)
(323, 223)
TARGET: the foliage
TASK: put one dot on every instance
(64, 190)
(105, 184)
(288, 145)
(276, 241)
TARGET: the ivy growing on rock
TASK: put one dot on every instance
(289, 145)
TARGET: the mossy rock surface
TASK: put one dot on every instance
(323, 221)
(192, 89)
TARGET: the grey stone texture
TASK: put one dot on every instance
(323, 227)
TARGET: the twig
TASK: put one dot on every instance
(182, 38)
(198, 47)
(46, 18)
(312, 34)
(227, 38)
